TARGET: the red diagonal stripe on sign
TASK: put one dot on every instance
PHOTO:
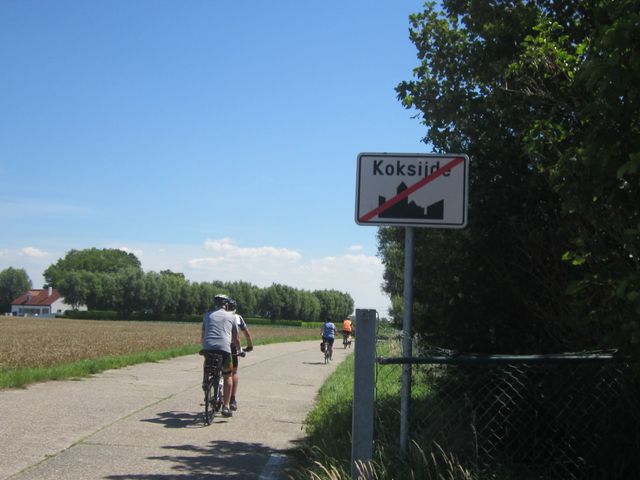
(404, 194)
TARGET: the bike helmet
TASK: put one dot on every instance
(220, 300)
(232, 305)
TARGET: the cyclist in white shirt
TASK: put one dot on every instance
(241, 326)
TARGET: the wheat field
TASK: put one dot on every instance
(44, 342)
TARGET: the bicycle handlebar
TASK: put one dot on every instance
(243, 351)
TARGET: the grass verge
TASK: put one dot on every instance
(20, 377)
(326, 454)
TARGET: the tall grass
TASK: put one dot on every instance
(326, 454)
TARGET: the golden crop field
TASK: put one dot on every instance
(44, 342)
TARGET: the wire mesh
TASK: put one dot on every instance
(519, 418)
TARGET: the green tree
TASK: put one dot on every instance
(543, 96)
(129, 291)
(272, 302)
(310, 307)
(13, 283)
(246, 295)
(76, 287)
(106, 260)
(334, 304)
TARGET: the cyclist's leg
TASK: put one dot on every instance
(331, 348)
(325, 342)
(234, 378)
(226, 392)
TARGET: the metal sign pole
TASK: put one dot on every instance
(405, 399)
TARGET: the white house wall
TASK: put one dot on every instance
(57, 307)
(60, 307)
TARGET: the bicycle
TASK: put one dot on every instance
(325, 347)
(213, 383)
(346, 340)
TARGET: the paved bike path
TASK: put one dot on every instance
(145, 421)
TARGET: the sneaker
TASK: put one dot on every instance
(233, 405)
(226, 412)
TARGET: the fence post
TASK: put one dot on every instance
(407, 320)
(363, 390)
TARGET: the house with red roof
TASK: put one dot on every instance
(45, 302)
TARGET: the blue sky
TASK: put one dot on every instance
(217, 139)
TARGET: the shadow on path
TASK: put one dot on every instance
(177, 419)
(220, 459)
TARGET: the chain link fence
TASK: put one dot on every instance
(530, 417)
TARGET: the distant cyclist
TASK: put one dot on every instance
(242, 326)
(328, 331)
(218, 333)
(346, 331)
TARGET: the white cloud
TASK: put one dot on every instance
(32, 252)
(358, 274)
(206, 263)
(136, 252)
(224, 259)
(229, 247)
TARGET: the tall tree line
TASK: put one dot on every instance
(110, 279)
(544, 97)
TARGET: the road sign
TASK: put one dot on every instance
(414, 190)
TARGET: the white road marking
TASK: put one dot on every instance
(272, 468)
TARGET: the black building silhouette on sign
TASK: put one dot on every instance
(406, 209)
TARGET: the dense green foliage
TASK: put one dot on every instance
(86, 277)
(544, 98)
(106, 260)
(13, 283)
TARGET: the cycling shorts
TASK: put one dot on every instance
(226, 360)
(328, 340)
(234, 358)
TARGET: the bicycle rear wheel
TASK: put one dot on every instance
(209, 396)
(217, 391)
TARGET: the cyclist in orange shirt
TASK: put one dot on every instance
(346, 332)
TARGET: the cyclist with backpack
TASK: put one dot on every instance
(328, 332)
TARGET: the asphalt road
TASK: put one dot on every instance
(145, 421)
